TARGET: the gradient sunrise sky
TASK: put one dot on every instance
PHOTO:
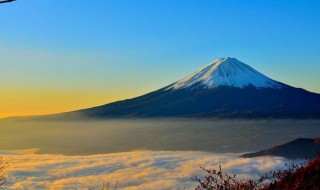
(57, 56)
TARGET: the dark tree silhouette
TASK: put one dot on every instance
(299, 178)
(303, 176)
(105, 186)
(217, 180)
(6, 1)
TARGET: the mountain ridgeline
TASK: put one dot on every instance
(226, 88)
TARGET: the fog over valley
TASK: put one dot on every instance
(111, 136)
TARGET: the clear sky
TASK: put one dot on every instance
(63, 55)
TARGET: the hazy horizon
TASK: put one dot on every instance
(120, 135)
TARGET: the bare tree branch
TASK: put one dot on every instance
(6, 1)
(3, 176)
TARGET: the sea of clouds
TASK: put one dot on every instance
(143, 170)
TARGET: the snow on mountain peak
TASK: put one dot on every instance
(226, 72)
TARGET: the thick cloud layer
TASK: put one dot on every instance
(141, 170)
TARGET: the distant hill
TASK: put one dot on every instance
(299, 148)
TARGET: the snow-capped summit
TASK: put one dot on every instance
(226, 72)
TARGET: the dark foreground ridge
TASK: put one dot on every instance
(304, 178)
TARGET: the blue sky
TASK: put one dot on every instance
(115, 49)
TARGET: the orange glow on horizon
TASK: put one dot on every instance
(41, 102)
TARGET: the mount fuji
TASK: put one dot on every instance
(226, 72)
(226, 88)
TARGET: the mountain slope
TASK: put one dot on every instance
(226, 88)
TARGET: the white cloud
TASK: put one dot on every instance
(133, 170)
